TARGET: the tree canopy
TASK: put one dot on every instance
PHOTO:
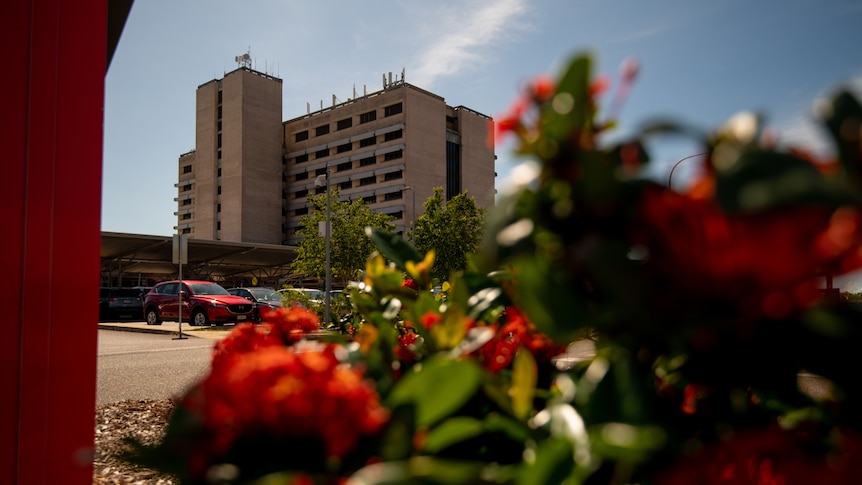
(349, 245)
(452, 229)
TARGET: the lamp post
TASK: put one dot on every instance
(670, 176)
(323, 180)
(413, 210)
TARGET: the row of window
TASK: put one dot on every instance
(348, 184)
(346, 147)
(348, 165)
(345, 123)
(371, 199)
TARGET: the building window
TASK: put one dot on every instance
(320, 171)
(218, 226)
(219, 125)
(218, 173)
(320, 190)
(187, 202)
(301, 193)
(344, 166)
(368, 117)
(344, 148)
(453, 170)
(393, 155)
(219, 155)
(393, 176)
(367, 142)
(393, 196)
(397, 215)
(321, 130)
(219, 112)
(301, 136)
(219, 96)
(344, 124)
(371, 199)
(393, 135)
(321, 153)
(301, 176)
(346, 185)
(219, 141)
(392, 110)
(367, 161)
(218, 208)
(218, 190)
(302, 158)
(187, 169)
(187, 216)
(187, 230)
(301, 211)
(187, 187)
(367, 181)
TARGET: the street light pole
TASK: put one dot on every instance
(413, 210)
(327, 237)
(670, 176)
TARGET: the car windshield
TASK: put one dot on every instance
(264, 294)
(199, 289)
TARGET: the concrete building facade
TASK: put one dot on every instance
(250, 175)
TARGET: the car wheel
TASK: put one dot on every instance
(199, 318)
(152, 317)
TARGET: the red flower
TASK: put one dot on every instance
(291, 324)
(409, 283)
(516, 331)
(766, 264)
(277, 393)
(768, 457)
(243, 338)
(430, 319)
(403, 351)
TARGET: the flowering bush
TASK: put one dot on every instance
(704, 308)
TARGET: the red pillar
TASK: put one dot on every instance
(52, 82)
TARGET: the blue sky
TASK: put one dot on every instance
(701, 62)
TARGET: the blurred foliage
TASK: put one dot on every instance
(610, 330)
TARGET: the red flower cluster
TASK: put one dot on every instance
(409, 283)
(277, 393)
(291, 324)
(702, 251)
(767, 457)
(403, 351)
(284, 326)
(517, 330)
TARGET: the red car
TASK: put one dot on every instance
(204, 303)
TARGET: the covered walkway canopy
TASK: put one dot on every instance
(127, 256)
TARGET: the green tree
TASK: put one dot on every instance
(349, 245)
(452, 229)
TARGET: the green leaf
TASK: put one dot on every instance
(426, 470)
(452, 431)
(437, 388)
(393, 247)
(524, 377)
(626, 442)
(553, 463)
(760, 180)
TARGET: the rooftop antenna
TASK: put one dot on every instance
(244, 60)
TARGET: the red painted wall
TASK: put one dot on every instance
(52, 83)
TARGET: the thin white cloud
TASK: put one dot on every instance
(478, 25)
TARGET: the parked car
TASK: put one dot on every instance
(204, 303)
(119, 303)
(301, 294)
(265, 299)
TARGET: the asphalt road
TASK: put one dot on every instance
(135, 365)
